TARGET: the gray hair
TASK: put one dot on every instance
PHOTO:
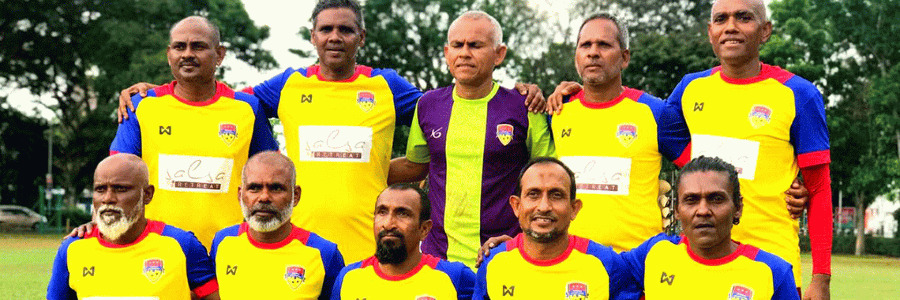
(621, 36)
(476, 15)
(757, 6)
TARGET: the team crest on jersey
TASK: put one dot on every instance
(626, 133)
(228, 133)
(153, 269)
(425, 297)
(759, 116)
(365, 100)
(505, 133)
(740, 292)
(294, 276)
(576, 291)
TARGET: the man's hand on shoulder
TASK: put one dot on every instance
(534, 97)
(564, 89)
(125, 98)
(485, 249)
(82, 230)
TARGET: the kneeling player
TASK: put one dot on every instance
(268, 253)
(399, 270)
(545, 261)
(127, 255)
(705, 263)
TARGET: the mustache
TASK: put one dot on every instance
(188, 62)
(264, 206)
(108, 207)
(384, 233)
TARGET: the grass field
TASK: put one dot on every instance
(25, 262)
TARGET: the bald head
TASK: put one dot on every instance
(473, 15)
(198, 21)
(126, 164)
(757, 6)
(272, 160)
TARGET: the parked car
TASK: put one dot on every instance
(14, 216)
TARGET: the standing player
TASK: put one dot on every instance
(195, 134)
(127, 255)
(267, 252)
(705, 263)
(545, 261)
(769, 124)
(399, 270)
(471, 138)
(614, 139)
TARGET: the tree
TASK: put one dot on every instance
(832, 44)
(83, 52)
(21, 168)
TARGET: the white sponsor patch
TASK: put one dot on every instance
(600, 174)
(335, 143)
(203, 174)
(743, 154)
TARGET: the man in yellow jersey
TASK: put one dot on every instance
(770, 124)
(195, 134)
(267, 252)
(128, 256)
(398, 270)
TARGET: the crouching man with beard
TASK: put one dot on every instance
(399, 270)
(128, 255)
(267, 252)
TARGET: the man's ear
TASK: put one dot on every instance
(148, 193)
(501, 54)
(767, 31)
(514, 202)
(626, 58)
(296, 195)
(576, 204)
(424, 228)
(220, 52)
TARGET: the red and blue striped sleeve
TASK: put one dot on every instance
(621, 283)
(128, 135)
(784, 286)
(233, 230)
(269, 92)
(672, 133)
(339, 281)
(405, 94)
(331, 259)
(262, 139)
(480, 290)
(200, 271)
(462, 277)
(59, 288)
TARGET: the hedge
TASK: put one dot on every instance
(846, 244)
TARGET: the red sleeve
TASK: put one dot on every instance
(248, 90)
(207, 288)
(817, 179)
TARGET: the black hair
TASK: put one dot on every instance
(547, 160)
(424, 203)
(714, 164)
(348, 4)
(622, 36)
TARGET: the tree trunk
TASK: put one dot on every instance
(860, 225)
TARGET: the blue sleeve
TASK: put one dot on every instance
(621, 283)
(200, 268)
(635, 258)
(339, 281)
(59, 289)
(809, 131)
(226, 232)
(128, 136)
(462, 277)
(480, 291)
(405, 94)
(331, 259)
(269, 92)
(262, 139)
(782, 276)
(672, 131)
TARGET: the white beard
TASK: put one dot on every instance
(283, 216)
(113, 227)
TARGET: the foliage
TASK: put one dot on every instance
(81, 53)
(845, 244)
(21, 168)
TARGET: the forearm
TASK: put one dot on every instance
(403, 170)
(817, 179)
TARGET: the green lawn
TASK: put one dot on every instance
(25, 262)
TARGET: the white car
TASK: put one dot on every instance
(14, 216)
